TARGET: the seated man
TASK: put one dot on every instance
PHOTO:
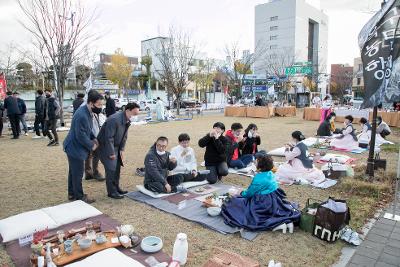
(215, 157)
(158, 163)
(383, 129)
(235, 137)
(186, 160)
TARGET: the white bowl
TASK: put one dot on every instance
(214, 211)
(151, 244)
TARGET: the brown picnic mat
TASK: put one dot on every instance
(21, 255)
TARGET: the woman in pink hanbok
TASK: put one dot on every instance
(299, 167)
(347, 140)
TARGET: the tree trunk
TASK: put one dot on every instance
(178, 105)
(61, 101)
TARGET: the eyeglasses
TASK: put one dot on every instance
(161, 146)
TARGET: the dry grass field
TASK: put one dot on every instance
(33, 176)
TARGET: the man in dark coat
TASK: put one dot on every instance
(79, 142)
(157, 164)
(40, 103)
(1, 117)
(77, 102)
(112, 138)
(52, 114)
(22, 109)
(11, 105)
(110, 105)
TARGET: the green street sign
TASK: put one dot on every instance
(298, 70)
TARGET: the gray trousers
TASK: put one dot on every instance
(112, 178)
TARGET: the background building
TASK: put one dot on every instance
(150, 47)
(289, 31)
(106, 59)
(358, 79)
(341, 79)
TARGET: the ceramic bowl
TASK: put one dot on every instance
(68, 243)
(127, 229)
(151, 244)
(101, 239)
(125, 241)
(84, 243)
(214, 211)
(68, 250)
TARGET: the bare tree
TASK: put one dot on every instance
(204, 76)
(176, 54)
(9, 58)
(238, 66)
(61, 34)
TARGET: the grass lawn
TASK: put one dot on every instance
(35, 176)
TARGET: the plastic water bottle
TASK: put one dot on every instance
(180, 250)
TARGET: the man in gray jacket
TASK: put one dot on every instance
(112, 138)
(158, 163)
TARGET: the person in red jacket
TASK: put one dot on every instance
(234, 137)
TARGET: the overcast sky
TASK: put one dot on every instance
(213, 22)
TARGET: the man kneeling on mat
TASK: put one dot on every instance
(158, 163)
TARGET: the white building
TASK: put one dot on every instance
(293, 28)
(150, 47)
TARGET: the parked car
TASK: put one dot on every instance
(188, 103)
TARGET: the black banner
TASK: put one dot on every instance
(379, 41)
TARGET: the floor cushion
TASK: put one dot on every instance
(278, 152)
(107, 258)
(24, 224)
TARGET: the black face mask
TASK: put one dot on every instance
(96, 110)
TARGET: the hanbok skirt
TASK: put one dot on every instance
(294, 171)
(260, 212)
(347, 142)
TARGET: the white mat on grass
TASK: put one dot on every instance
(26, 223)
(335, 158)
(106, 258)
(310, 141)
(152, 194)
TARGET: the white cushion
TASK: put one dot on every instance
(107, 258)
(152, 194)
(25, 224)
(71, 212)
(335, 157)
(279, 152)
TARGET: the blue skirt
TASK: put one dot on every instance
(260, 212)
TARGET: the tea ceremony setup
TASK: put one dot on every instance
(265, 136)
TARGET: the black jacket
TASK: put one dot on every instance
(21, 105)
(11, 104)
(215, 149)
(157, 167)
(40, 103)
(77, 103)
(1, 110)
(248, 144)
(110, 107)
(324, 129)
(52, 108)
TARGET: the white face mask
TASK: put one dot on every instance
(160, 153)
(249, 134)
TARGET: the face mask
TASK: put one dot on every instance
(47, 96)
(96, 110)
(160, 153)
(250, 134)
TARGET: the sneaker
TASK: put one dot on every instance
(55, 144)
(51, 143)
(26, 134)
(37, 137)
(355, 239)
(181, 189)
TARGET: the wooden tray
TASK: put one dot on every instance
(63, 258)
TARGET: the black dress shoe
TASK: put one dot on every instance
(89, 177)
(115, 196)
(71, 197)
(122, 192)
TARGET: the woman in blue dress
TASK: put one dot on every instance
(262, 206)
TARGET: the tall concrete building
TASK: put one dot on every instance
(151, 47)
(292, 29)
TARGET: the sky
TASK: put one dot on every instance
(213, 24)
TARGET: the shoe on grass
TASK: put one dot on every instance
(51, 143)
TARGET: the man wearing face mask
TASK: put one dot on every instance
(112, 139)
(78, 144)
(158, 163)
(215, 156)
(52, 113)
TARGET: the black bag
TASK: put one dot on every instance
(328, 224)
(379, 163)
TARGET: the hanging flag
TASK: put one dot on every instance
(3, 86)
(88, 86)
(271, 90)
(379, 41)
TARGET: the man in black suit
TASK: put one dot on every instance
(11, 105)
(110, 105)
(112, 138)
